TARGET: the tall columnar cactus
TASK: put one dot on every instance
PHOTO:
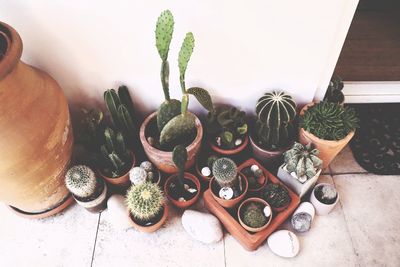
(144, 201)
(116, 158)
(225, 172)
(303, 160)
(179, 156)
(329, 121)
(275, 113)
(81, 181)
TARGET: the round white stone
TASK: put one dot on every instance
(181, 199)
(147, 166)
(267, 211)
(226, 193)
(205, 171)
(203, 227)
(254, 168)
(238, 142)
(137, 175)
(284, 243)
(116, 212)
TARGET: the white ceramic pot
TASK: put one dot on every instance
(322, 208)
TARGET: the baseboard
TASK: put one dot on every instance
(372, 92)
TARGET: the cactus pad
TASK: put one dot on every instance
(164, 31)
(167, 111)
(178, 130)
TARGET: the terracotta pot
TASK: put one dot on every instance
(97, 205)
(163, 159)
(265, 155)
(121, 181)
(239, 214)
(233, 151)
(36, 136)
(151, 228)
(328, 149)
(248, 163)
(186, 204)
(231, 203)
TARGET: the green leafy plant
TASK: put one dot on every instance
(116, 158)
(334, 92)
(303, 160)
(253, 215)
(276, 195)
(225, 172)
(275, 113)
(228, 124)
(81, 181)
(179, 156)
(144, 201)
(329, 121)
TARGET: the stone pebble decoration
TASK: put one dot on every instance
(284, 243)
(203, 227)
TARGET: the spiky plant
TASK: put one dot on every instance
(81, 181)
(225, 172)
(275, 114)
(276, 195)
(303, 160)
(253, 216)
(91, 126)
(329, 121)
(326, 194)
(179, 156)
(144, 201)
(116, 158)
(334, 92)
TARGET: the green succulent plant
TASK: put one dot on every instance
(329, 121)
(144, 201)
(116, 159)
(225, 172)
(81, 181)
(334, 92)
(179, 157)
(275, 114)
(276, 195)
(327, 194)
(303, 160)
(253, 216)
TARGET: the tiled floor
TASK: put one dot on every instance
(362, 231)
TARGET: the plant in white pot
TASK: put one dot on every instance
(324, 197)
(301, 168)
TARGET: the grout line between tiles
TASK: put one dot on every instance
(344, 173)
(95, 240)
(223, 240)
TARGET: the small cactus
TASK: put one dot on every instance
(179, 156)
(225, 172)
(144, 201)
(253, 216)
(91, 125)
(137, 175)
(81, 181)
(334, 93)
(326, 194)
(210, 160)
(276, 195)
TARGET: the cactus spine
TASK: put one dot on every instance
(225, 172)
(144, 201)
(275, 113)
(81, 181)
(179, 156)
(253, 216)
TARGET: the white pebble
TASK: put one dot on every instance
(267, 211)
(205, 171)
(238, 142)
(226, 193)
(254, 168)
(147, 166)
(192, 190)
(181, 199)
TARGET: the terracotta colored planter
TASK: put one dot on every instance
(265, 155)
(245, 226)
(205, 179)
(36, 136)
(248, 163)
(231, 203)
(328, 149)
(180, 204)
(121, 181)
(163, 159)
(250, 241)
(233, 151)
(97, 205)
(151, 228)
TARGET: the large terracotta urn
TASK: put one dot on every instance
(35, 134)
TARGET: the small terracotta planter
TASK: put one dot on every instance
(328, 149)
(96, 205)
(231, 203)
(247, 164)
(151, 228)
(233, 151)
(205, 179)
(163, 159)
(121, 181)
(264, 155)
(239, 214)
(181, 204)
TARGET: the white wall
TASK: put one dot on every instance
(243, 48)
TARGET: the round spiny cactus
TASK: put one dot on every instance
(276, 195)
(81, 181)
(144, 201)
(225, 172)
(253, 216)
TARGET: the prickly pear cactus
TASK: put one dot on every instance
(179, 156)
(181, 127)
(164, 31)
(167, 111)
(184, 55)
(202, 96)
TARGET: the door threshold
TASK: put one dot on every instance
(372, 92)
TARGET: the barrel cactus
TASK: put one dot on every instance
(81, 181)
(144, 201)
(275, 114)
(253, 215)
(303, 160)
(276, 195)
(225, 172)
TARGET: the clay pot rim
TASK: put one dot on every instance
(198, 171)
(13, 52)
(150, 228)
(87, 203)
(246, 188)
(310, 135)
(191, 201)
(121, 177)
(257, 200)
(274, 152)
(143, 139)
(319, 201)
(233, 151)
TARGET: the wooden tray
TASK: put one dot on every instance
(250, 241)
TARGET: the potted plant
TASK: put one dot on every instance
(227, 130)
(145, 172)
(334, 92)
(147, 210)
(324, 198)
(88, 191)
(328, 126)
(254, 214)
(182, 189)
(273, 131)
(204, 166)
(277, 196)
(301, 168)
(256, 177)
(172, 124)
(115, 159)
(228, 187)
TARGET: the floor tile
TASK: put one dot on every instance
(344, 162)
(370, 204)
(169, 246)
(327, 243)
(66, 239)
